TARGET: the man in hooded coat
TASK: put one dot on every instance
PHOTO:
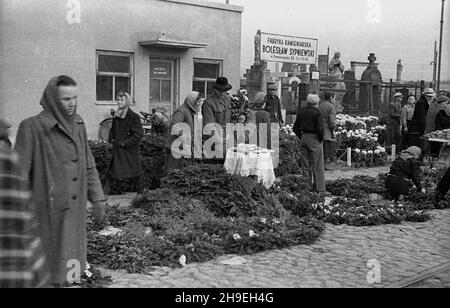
(56, 158)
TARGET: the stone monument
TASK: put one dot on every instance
(258, 74)
(258, 47)
(370, 90)
(336, 69)
(336, 79)
(399, 70)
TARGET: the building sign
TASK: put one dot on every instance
(160, 70)
(288, 49)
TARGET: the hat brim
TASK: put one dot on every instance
(224, 88)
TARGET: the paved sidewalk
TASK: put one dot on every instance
(349, 173)
(338, 259)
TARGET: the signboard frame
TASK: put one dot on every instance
(288, 51)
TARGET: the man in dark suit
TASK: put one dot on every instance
(309, 128)
(273, 105)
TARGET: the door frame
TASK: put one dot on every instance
(175, 80)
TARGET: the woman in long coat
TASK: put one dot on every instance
(56, 158)
(125, 135)
(187, 125)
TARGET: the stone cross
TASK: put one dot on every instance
(372, 58)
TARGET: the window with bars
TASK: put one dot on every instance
(205, 75)
(114, 74)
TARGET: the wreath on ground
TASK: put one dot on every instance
(200, 212)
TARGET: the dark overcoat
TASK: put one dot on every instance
(125, 136)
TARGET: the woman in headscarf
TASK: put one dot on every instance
(57, 161)
(160, 124)
(125, 135)
(405, 168)
(185, 141)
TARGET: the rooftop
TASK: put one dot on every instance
(210, 4)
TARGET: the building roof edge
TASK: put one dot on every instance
(210, 4)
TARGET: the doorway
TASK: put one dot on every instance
(163, 79)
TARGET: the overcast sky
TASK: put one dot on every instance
(404, 29)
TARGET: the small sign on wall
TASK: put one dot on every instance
(160, 70)
(315, 75)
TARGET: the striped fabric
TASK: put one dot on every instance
(22, 260)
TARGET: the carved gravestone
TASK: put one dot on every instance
(370, 90)
(349, 100)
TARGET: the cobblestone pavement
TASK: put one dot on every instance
(339, 259)
(441, 280)
(348, 173)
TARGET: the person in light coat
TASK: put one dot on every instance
(328, 110)
(58, 163)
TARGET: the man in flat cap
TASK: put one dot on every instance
(393, 127)
(273, 104)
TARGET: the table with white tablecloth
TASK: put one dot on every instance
(251, 161)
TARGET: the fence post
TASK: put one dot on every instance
(349, 157)
(394, 149)
(390, 89)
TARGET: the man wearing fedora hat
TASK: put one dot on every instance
(420, 111)
(217, 106)
(419, 119)
(395, 114)
(273, 104)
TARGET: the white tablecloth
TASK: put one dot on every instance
(256, 162)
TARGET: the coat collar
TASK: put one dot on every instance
(49, 121)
